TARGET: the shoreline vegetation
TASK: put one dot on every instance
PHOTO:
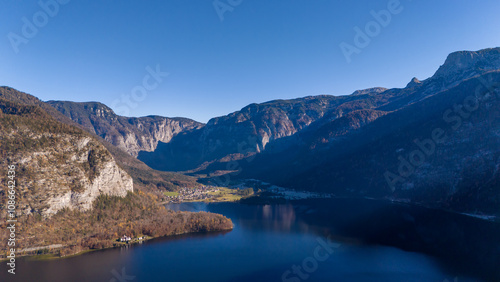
(76, 232)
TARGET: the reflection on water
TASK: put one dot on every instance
(268, 240)
(275, 218)
(462, 244)
(282, 217)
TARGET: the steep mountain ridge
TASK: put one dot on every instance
(129, 134)
(465, 64)
(250, 130)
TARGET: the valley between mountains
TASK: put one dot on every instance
(86, 176)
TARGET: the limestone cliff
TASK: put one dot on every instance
(132, 135)
(57, 165)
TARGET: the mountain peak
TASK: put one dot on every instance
(461, 61)
(373, 90)
(413, 83)
(96, 107)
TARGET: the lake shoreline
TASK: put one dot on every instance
(51, 256)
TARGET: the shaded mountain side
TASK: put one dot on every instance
(146, 178)
(341, 116)
(127, 133)
(461, 173)
(288, 149)
(143, 176)
(252, 129)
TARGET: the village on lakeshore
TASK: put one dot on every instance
(207, 193)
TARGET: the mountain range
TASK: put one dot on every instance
(132, 135)
(434, 142)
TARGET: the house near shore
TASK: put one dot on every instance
(125, 238)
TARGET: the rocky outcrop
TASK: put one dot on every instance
(414, 83)
(268, 121)
(57, 165)
(374, 90)
(467, 63)
(69, 178)
(129, 134)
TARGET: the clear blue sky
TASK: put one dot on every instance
(262, 50)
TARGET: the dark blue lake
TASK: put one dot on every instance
(309, 240)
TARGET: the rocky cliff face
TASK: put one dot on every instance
(468, 63)
(69, 176)
(374, 90)
(268, 121)
(57, 165)
(250, 130)
(129, 134)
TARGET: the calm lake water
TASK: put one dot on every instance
(330, 240)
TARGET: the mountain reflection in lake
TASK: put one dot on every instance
(463, 245)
